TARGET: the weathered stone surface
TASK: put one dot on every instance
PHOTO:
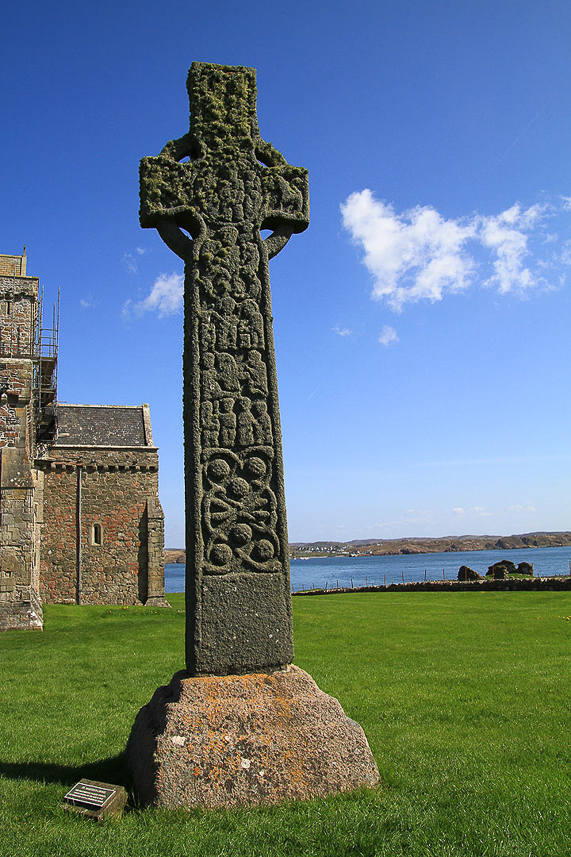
(467, 573)
(500, 570)
(243, 740)
(525, 568)
(222, 184)
(20, 609)
(20, 486)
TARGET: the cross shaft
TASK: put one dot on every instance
(209, 194)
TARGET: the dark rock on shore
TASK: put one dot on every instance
(525, 568)
(500, 570)
(467, 573)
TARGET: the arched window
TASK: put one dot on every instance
(96, 534)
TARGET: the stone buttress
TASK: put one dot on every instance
(20, 484)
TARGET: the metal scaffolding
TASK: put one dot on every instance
(45, 371)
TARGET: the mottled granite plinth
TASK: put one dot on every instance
(228, 741)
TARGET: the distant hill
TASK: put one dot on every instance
(175, 555)
(445, 544)
(390, 547)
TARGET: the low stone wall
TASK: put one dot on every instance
(533, 584)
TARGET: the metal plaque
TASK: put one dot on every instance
(90, 795)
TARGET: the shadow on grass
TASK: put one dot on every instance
(113, 770)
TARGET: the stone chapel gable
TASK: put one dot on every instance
(102, 538)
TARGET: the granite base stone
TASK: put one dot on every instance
(235, 741)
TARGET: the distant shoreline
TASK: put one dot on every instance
(410, 546)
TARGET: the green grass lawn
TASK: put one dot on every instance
(464, 697)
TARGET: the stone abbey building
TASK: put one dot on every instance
(80, 517)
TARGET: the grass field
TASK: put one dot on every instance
(464, 697)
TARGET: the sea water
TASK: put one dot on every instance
(344, 571)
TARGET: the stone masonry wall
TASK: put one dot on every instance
(20, 500)
(117, 487)
(155, 553)
(13, 266)
(16, 379)
(18, 309)
(530, 584)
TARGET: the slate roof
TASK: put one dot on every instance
(100, 425)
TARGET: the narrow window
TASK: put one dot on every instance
(96, 535)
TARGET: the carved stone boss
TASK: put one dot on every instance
(209, 194)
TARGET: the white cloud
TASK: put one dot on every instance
(342, 331)
(565, 256)
(165, 297)
(130, 260)
(480, 512)
(413, 256)
(520, 508)
(130, 263)
(419, 255)
(86, 303)
(507, 236)
(388, 335)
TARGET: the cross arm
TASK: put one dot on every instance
(165, 190)
(286, 204)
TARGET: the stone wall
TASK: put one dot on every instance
(110, 498)
(532, 584)
(155, 554)
(19, 542)
(13, 266)
(18, 308)
(15, 402)
(20, 500)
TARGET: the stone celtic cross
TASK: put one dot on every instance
(209, 194)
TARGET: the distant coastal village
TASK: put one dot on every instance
(392, 547)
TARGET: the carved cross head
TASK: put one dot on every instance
(222, 173)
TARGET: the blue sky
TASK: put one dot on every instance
(421, 323)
